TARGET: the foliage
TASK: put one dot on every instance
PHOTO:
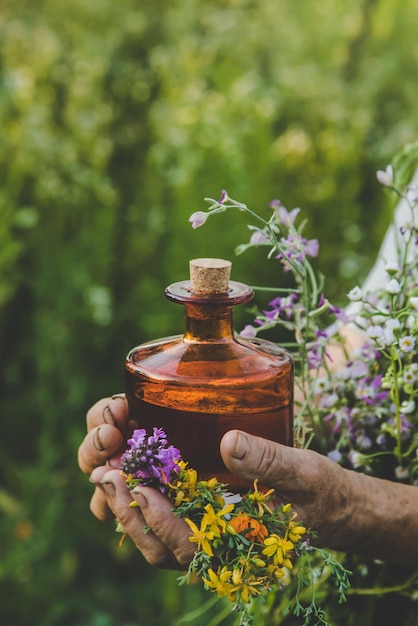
(117, 118)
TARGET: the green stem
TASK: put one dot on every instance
(398, 449)
(373, 591)
(274, 289)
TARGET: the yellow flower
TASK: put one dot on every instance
(276, 570)
(287, 563)
(201, 536)
(179, 497)
(183, 489)
(278, 548)
(214, 520)
(295, 532)
(210, 484)
(260, 498)
(219, 581)
(245, 587)
(258, 562)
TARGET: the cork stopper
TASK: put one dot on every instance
(209, 276)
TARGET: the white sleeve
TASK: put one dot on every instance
(393, 241)
(392, 245)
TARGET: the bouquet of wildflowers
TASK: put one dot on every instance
(245, 545)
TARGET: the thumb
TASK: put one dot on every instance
(275, 465)
(320, 491)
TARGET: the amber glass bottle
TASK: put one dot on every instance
(199, 385)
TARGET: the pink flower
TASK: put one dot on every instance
(198, 219)
(287, 217)
(297, 247)
(248, 331)
(258, 238)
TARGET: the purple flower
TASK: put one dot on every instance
(315, 359)
(335, 455)
(297, 247)
(149, 459)
(355, 369)
(287, 217)
(405, 424)
(341, 314)
(318, 350)
(341, 418)
(368, 352)
(369, 390)
(224, 197)
(282, 307)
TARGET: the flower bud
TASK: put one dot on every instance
(393, 287)
(198, 218)
(392, 268)
(385, 177)
(355, 294)
(414, 302)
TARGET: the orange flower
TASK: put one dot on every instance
(249, 527)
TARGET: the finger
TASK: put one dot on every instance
(113, 411)
(99, 506)
(135, 523)
(170, 529)
(99, 445)
(98, 503)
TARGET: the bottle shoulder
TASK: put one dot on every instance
(176, 358)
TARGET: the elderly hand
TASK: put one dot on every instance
(351, 512)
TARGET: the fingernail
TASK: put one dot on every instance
(140, 498)
(109, 489)
(108, 416)
(119, 396)
(97, 441)
(96, 476)
(113, 462)
(241, 447)
(96, 483)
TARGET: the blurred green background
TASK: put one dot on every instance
(116, 120)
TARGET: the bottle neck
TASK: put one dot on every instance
(212, 323)
(209, 317)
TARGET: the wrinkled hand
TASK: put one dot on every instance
(350, 511)
(109, 427)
